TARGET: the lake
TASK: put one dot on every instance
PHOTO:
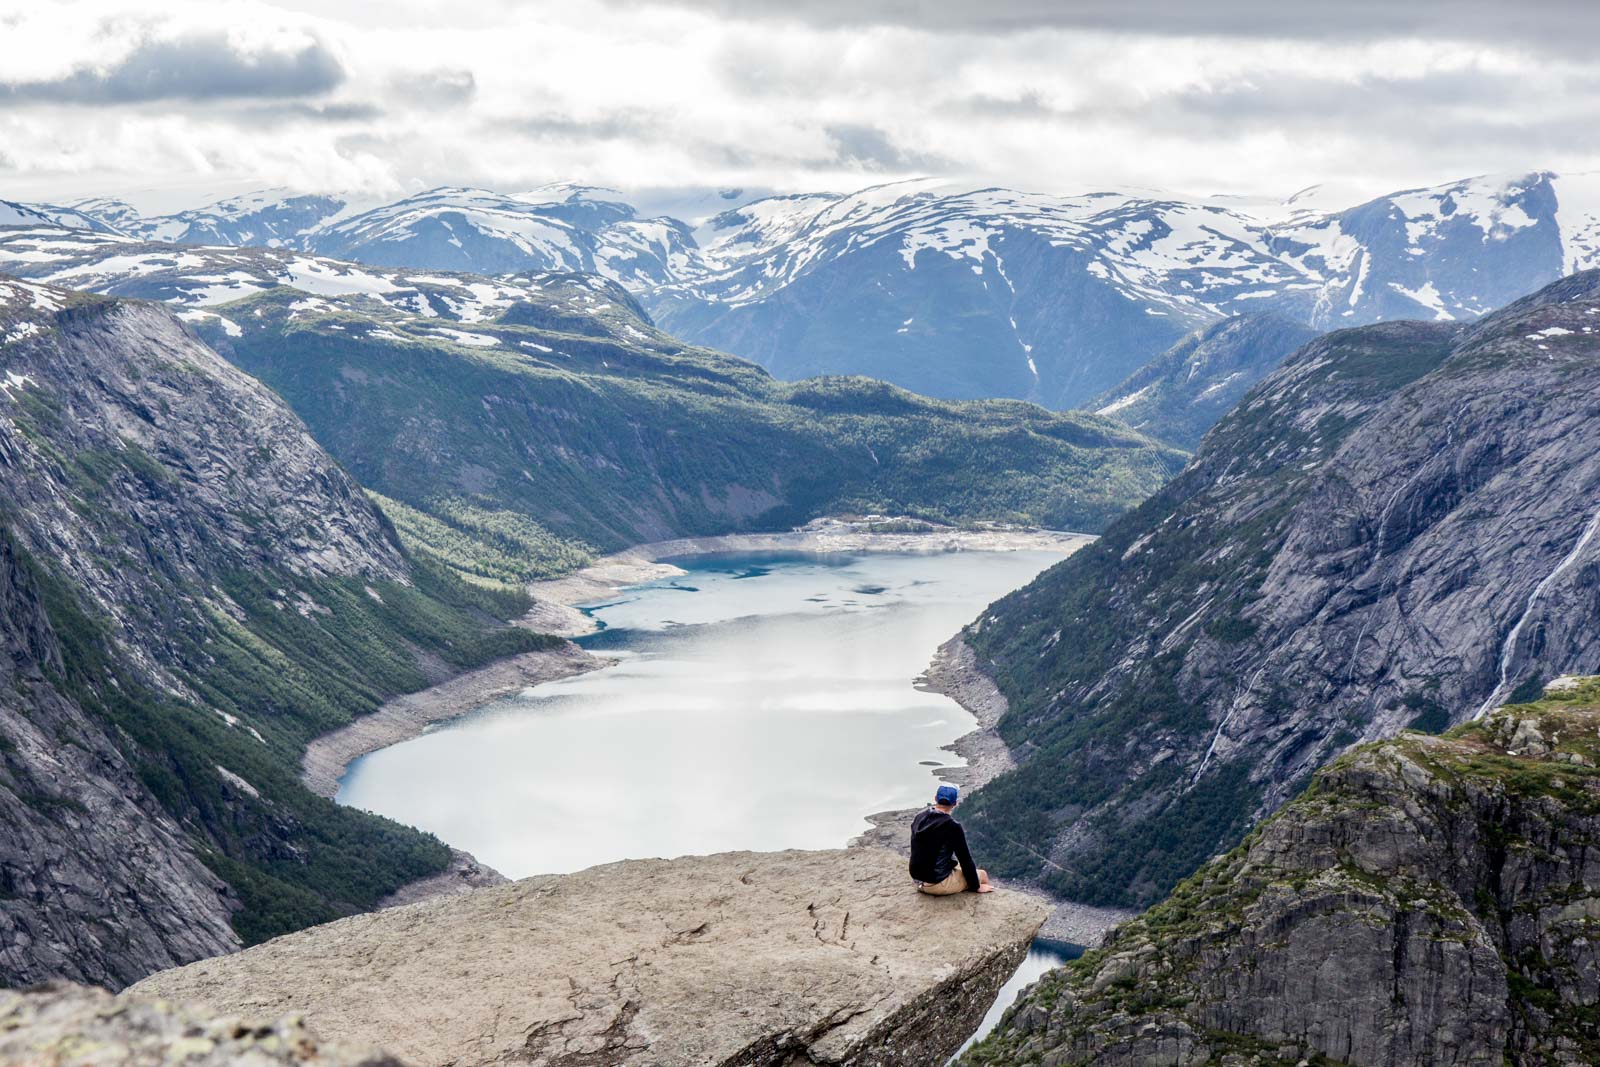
(761, 702)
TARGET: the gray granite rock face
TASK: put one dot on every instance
(1429, 901)
(97, 883)
(741, 959)
(138, 470)
(1398, 526)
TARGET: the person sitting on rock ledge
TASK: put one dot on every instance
(941, 863)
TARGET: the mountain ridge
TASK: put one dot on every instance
(1043, 297)
(1423, 902)
(1390, 529)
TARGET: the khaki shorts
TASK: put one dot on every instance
(955, 882)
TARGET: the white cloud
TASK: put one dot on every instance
(353, 96)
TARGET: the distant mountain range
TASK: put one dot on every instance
(952, 291)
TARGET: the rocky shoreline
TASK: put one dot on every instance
(327, 757)
(555, 611)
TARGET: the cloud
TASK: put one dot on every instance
(871, 149)
(196, 67)
(1064, 97)
(442, 87)
(1561, 24)
(636, 124)
(278, 113)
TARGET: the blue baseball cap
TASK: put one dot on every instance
(946, 795)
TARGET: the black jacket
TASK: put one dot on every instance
(937, 844)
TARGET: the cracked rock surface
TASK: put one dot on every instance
(740, 959)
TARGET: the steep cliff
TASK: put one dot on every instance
(742, 959)
(1428, 900)
(192, 590)
(1396, 527)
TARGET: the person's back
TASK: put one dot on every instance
(941, 863)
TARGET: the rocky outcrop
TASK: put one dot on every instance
(1397, 527)
(741, 959)
(64, 1025)
(1428, 901)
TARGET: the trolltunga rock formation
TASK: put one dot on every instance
(741, 959)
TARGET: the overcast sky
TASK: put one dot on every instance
(1243, 96)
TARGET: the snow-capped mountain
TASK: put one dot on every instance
(199, 279)
(266, 218)
(983, 292)
(554, 227)
(1182, 393)
(15, 214)
(950, 290)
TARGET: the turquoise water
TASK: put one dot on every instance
(762, 702)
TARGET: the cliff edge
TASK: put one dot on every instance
(741, 959)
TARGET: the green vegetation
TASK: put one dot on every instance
(502, 549)
(515, 460)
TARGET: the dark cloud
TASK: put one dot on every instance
(278, 114)
(198, 67)
(1557, 23)
(1420, 108)
(436, 88)
(629, 124)
(1461, 109)
(871, 149)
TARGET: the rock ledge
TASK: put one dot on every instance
(741, 959)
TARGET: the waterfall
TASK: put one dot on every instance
(1509, 649)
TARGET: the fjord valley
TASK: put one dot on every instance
(667, 534)
(268, 492)
(200, 588)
